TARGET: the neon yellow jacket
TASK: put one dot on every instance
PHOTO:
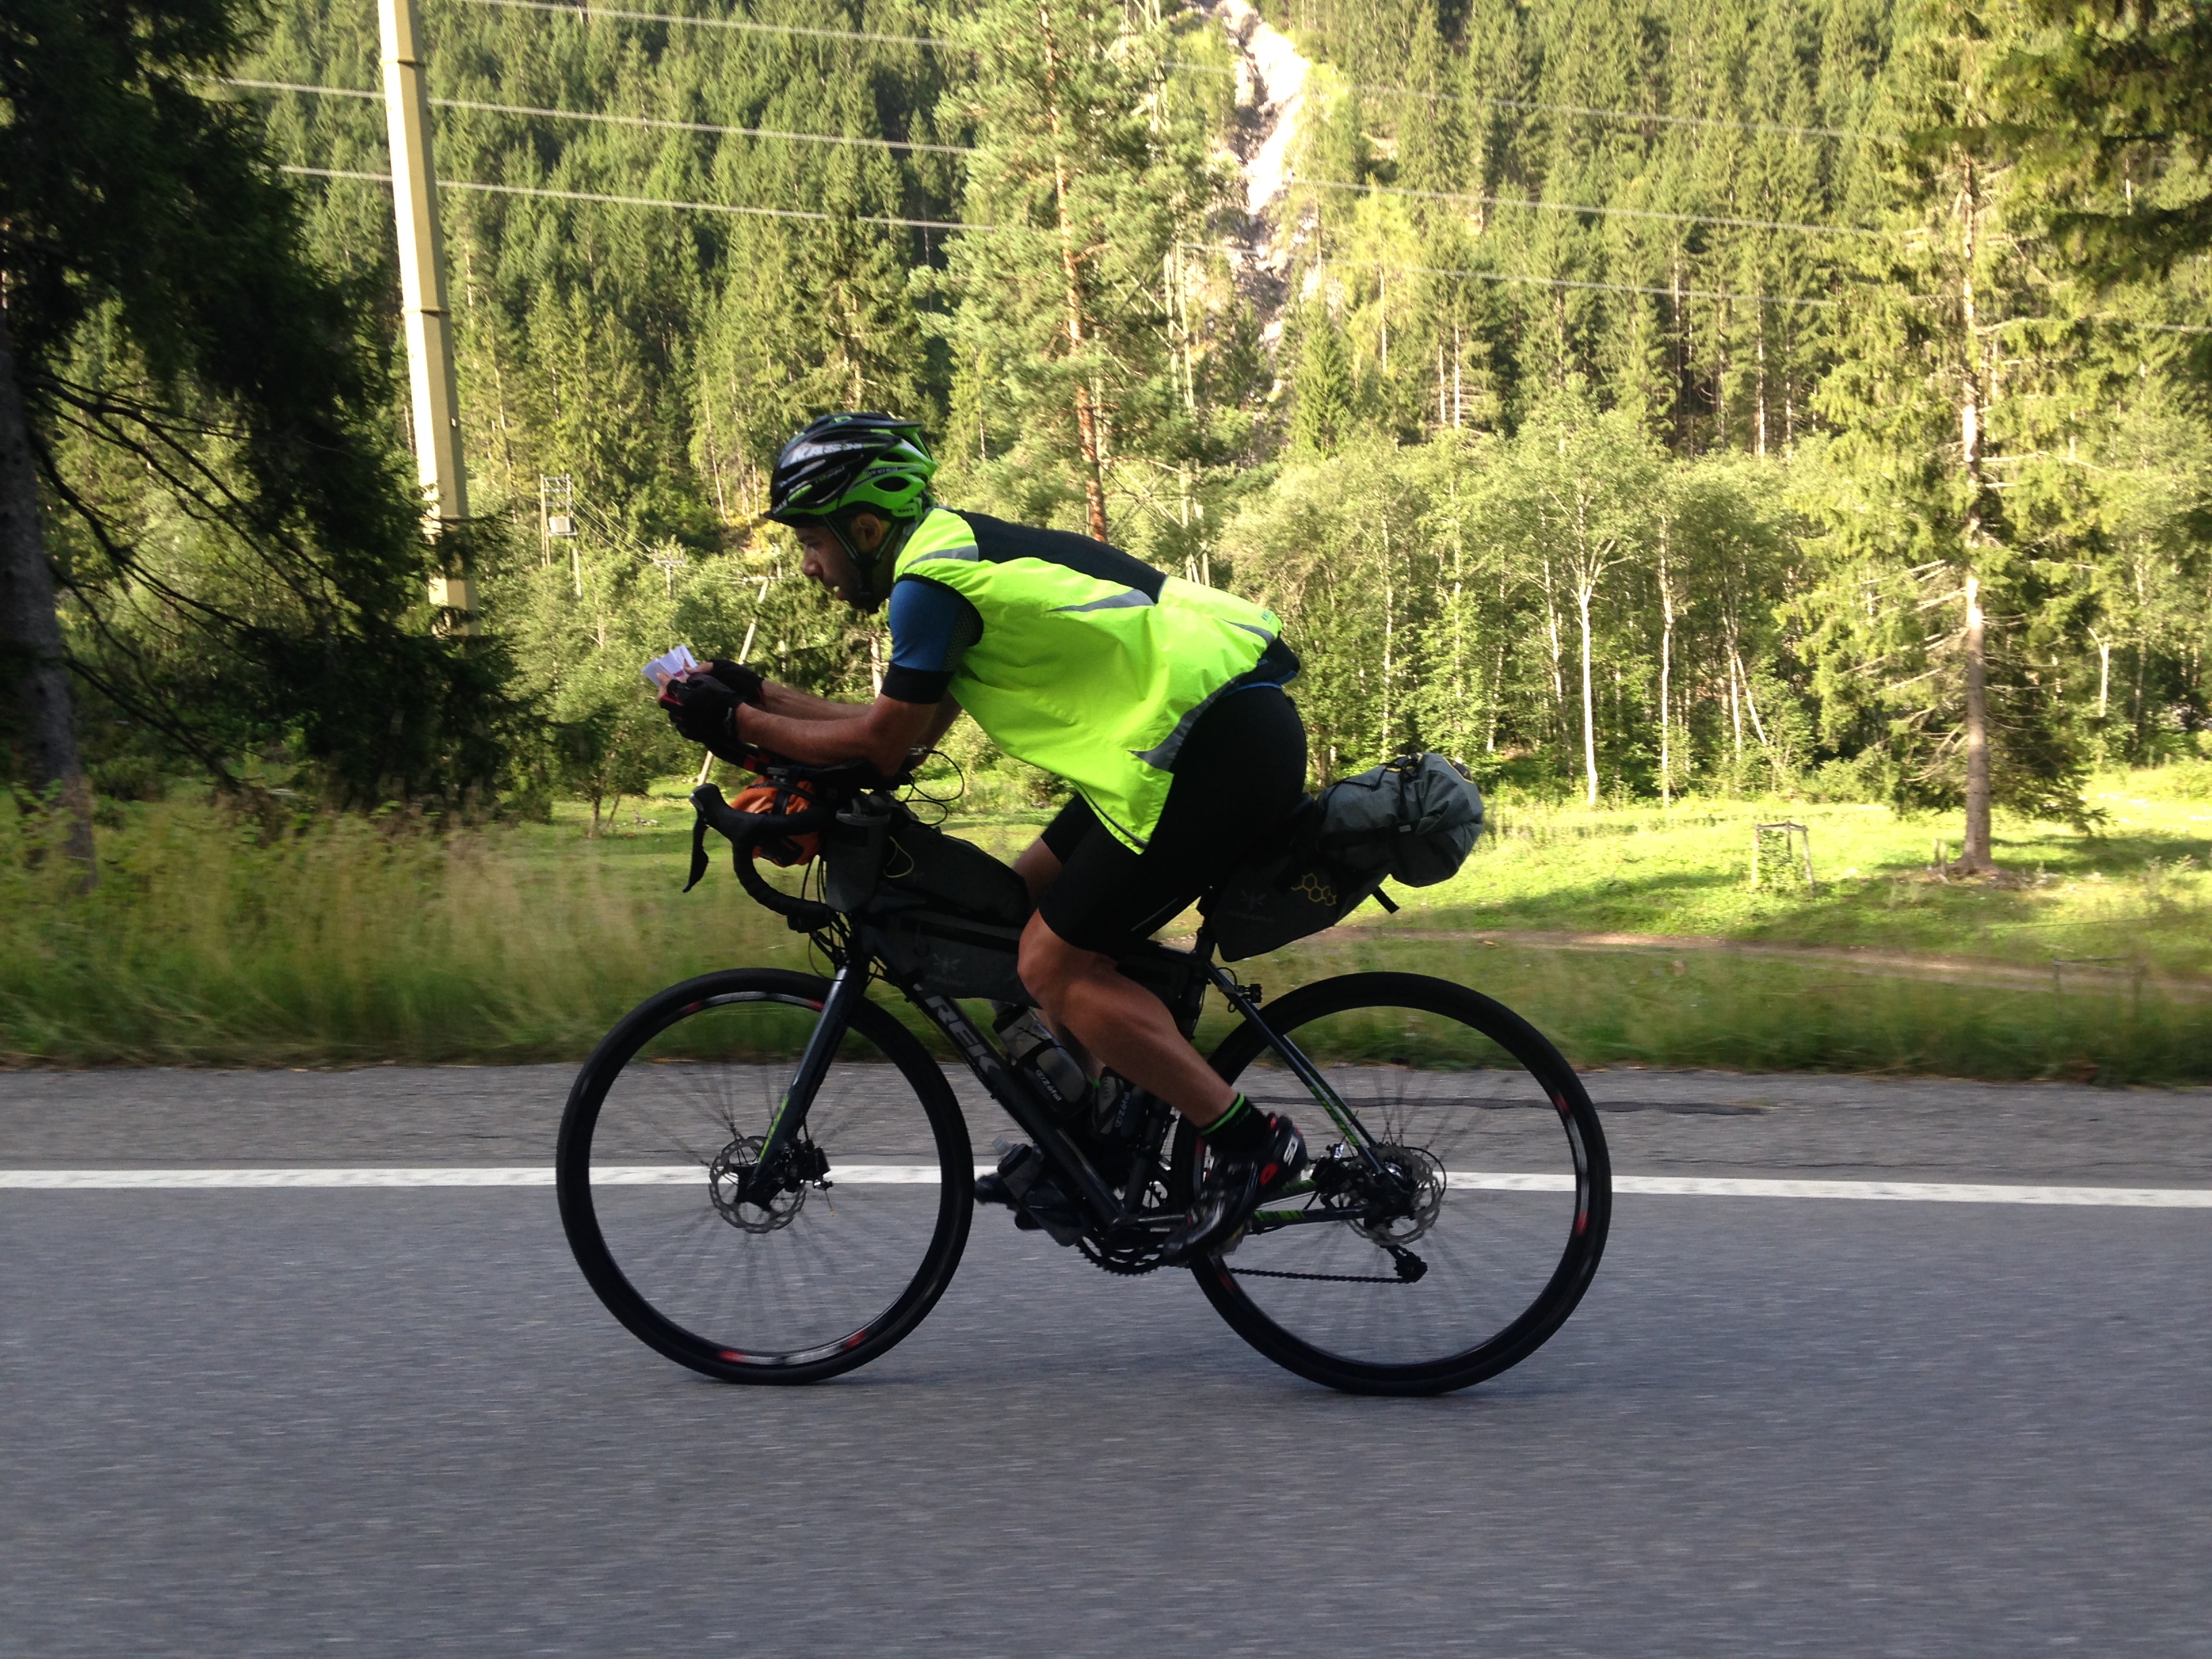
(1091, 665)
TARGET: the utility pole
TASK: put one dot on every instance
(422, 297)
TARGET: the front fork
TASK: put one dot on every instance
(767, 1176)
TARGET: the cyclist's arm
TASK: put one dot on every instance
(882, 733)
(947, 712)
(794, 704)
(930, 627)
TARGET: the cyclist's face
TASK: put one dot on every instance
(827, 561)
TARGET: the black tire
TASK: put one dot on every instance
(841, 1270)
(1503, 1135)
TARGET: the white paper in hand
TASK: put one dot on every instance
(661, 670)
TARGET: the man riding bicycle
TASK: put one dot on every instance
(1160, 701)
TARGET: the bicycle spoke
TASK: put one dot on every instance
(801, 1267)
(1415, 1272)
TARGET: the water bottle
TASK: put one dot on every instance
(1031, 1047)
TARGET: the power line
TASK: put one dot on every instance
(584, 14)
(946, 225)
(965, 150)
(620, 120)
(1534, 106)
(1574, 207)
(650, 201)
(1541, 281)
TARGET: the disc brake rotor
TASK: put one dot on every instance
(727, 1177)
(1391, 1206)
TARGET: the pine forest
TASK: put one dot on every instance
(1629, 398)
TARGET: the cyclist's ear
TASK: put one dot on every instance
(865, 530)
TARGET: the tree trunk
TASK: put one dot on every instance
(34, 664)
(1758, 725)
(1665, 674)
(1551, 631)
(1974, 856)
(1589, 717)
(1736, 709)
(1086, 412)
(1761, 447)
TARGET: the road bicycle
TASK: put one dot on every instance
(766, 1177)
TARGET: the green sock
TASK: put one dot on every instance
(1236, 1131)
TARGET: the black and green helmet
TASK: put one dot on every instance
(849, 461)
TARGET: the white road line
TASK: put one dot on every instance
(1906, 1192)
(916, 1175)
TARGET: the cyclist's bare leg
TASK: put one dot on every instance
(1036, 866)
(1119, 1021)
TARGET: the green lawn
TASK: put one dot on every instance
(2135, 888)
(1630, 936)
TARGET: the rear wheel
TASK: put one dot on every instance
(1470, 1235)
(847, 1255)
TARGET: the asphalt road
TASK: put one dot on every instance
(248, 1422)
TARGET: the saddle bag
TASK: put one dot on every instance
(1413, 820)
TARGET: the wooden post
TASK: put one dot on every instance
(422, 300)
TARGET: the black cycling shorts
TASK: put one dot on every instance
(1240, 771)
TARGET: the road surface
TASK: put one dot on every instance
(394, 1420)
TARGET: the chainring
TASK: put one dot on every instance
(1128, 1261)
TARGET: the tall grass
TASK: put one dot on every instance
(1758, 1014)
(355, 942)
(351, 941)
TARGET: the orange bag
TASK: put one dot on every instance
(768, 798)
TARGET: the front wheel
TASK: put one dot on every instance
(845, 1256)
(1461, 1238)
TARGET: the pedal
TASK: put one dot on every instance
(1018, 1169)
(1022, 1185)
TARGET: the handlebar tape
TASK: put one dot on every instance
(742, 829)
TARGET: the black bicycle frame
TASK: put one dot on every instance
(856, 967)
(1021, 1103)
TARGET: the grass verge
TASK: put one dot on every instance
(355, 942)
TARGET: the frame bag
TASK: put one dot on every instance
(1413, 820)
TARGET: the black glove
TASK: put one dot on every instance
(705, 710)
(739, 678)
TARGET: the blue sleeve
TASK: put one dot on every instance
(931, 626)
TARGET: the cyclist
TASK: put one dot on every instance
(1159, 701)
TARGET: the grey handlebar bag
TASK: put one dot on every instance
(1413, 820)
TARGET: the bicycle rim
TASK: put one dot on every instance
(1499, 1157)
(661, 1127)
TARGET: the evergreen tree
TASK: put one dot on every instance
(214, 495)
(1954, 341)
(2106, 101)
(1090, 169)
(1323, 417)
